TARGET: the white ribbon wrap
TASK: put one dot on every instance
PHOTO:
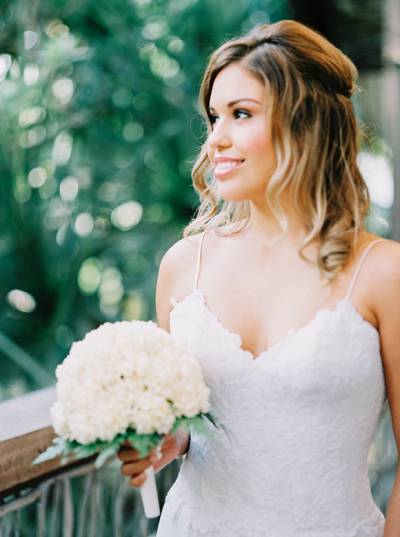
(148, 491)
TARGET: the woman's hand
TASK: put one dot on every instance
(134, 467)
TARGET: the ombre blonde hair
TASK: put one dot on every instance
(315, 138)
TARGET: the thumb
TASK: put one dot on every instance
(168, 437)
(158, 463)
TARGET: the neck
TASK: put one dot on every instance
(263, 228)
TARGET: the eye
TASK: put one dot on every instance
(212, 118)
(237, 112)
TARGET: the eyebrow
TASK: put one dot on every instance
(231, 103)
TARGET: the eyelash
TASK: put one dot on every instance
(213, 117)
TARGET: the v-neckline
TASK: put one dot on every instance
(292, 332)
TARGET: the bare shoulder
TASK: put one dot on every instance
(383, 273)
(386, 291)
(388, 267)
(387, 256)
(179, 257)
(175, 275)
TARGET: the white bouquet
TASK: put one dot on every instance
(126, 381)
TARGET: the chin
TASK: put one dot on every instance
(236, 194)
(237, 198)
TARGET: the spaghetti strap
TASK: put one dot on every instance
(198, 261)
(364, 255)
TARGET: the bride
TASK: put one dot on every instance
(291, 306)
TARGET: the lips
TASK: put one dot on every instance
(226, 166)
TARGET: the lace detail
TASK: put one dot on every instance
(287, 463)
(291, 458)
(179, 521)
(321, 313)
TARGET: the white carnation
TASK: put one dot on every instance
(126, 374)
(59, 423)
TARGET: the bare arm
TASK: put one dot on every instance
(392, 525)
(177, 445)
(388, 313)
(167, 275)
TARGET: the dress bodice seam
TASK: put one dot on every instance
(343, 302)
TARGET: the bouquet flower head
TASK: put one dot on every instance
(125, 381)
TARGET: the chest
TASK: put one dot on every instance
(259, 323)
(336, 357)
(270, 302)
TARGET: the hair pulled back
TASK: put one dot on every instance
(314, 134)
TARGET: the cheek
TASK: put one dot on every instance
(263, 157)
(259, 145)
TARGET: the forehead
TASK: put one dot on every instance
(235, 82)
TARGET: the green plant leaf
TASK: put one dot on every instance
(105, 455)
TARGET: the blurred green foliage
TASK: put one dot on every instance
(99, 131)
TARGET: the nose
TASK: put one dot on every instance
(219, 136)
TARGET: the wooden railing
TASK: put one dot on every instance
(79, 500)
(25, 432)
(51, 499)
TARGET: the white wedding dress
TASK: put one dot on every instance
(298, 421)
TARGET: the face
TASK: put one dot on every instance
(239, 146)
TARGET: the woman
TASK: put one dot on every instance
(297, 332)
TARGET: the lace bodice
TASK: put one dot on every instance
(298, 421)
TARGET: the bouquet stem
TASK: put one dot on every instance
(149, 495)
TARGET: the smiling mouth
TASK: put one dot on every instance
(223, 168)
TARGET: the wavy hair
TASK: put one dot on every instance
(314, 134)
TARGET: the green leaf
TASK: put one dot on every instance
(143, 443)
(47, 455)
(211, 418)
(104, 455)
(57, 448)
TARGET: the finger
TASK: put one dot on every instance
(128, 454)
(155, 456)
(138, 480)
(130, 469)
(126, 444)
(168, 442)
(158, 465)
(165, 448)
